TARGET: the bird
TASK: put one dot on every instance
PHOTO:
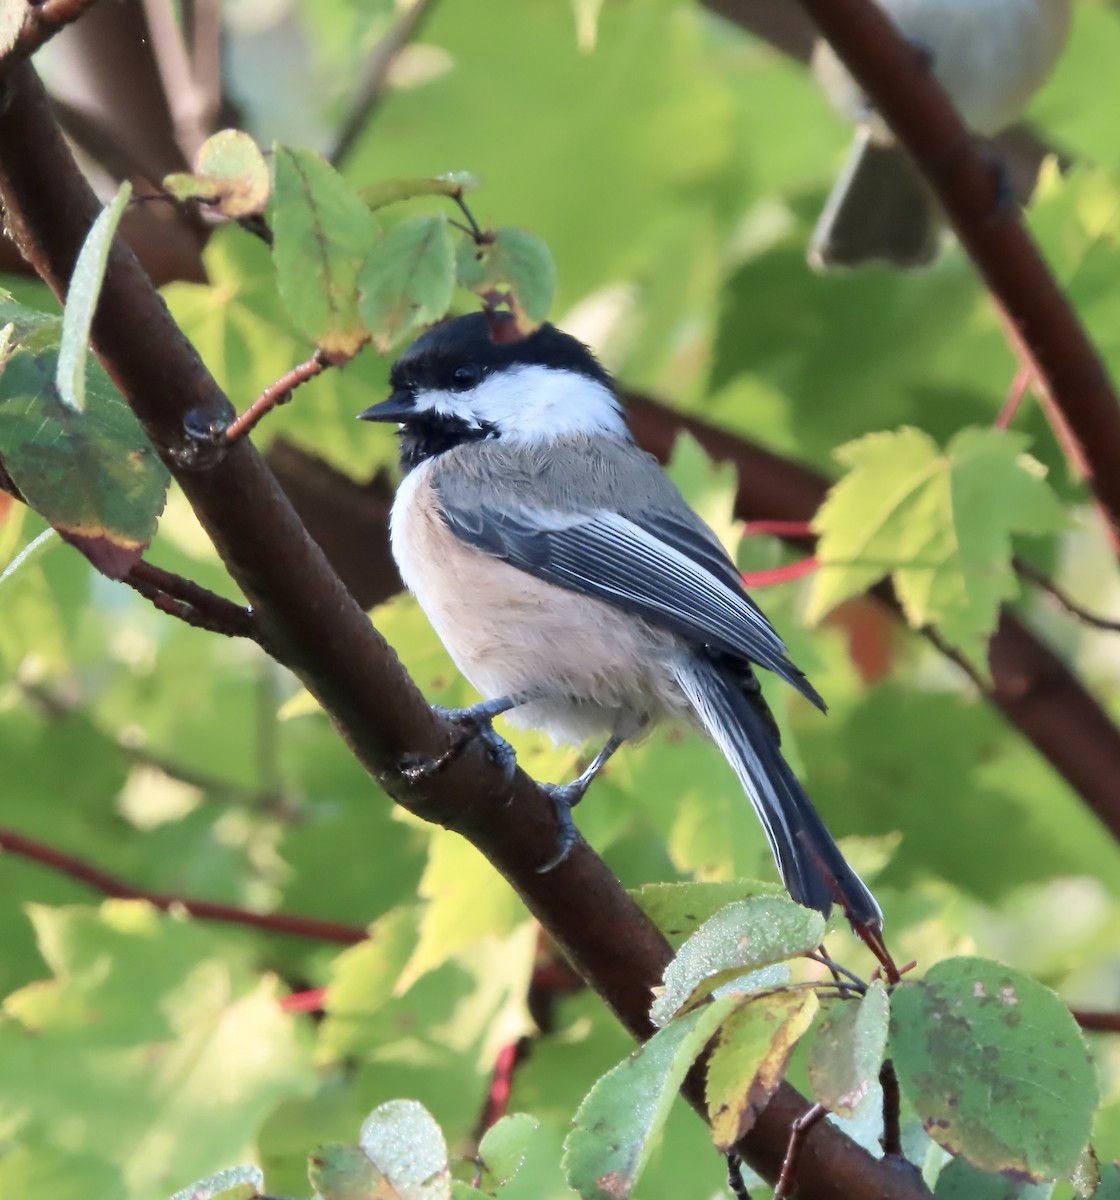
(991, 56)
(573, 585)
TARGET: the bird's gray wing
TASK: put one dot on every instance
(663, 568)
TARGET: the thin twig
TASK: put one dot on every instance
(891, 1141)
(501, 1083)
(312, 1001)
(1025, 571)
(206, 58)
(782, 529)
(1097, 1022)
(857, 984)
(1024, 376)
(189, 602)
(184, 98)
(108, 885)
(276, 394)
(375, 78)
(769, 576)
(799, 1131)
(735, 1177)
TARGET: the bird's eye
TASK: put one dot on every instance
(465, 377)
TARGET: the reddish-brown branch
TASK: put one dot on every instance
(195, 605)
(770, 576)
(44, 20)
(1097, 1022)
(501, 1084)
(108, 885)
(1053, 339)
(312, 1001)
(276, 394)
(1063, 599)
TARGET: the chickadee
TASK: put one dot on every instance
(991, 56)
(575, 588)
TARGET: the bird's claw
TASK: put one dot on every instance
(564, 798)
(472, 725)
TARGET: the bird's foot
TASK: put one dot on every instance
(473, 724)
(564, 797)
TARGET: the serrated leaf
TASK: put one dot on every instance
(234, 1183)
(81, 301)
(616, 1126)
(750, 1058)
(847, 1055)
(966, 1042)
(679, 909)
(407, 280)
(960, 1180)
(503, 1148)
(740, 938)
(404, 1142)
(12, 16)
(939, 523)
(390, 191)
(341, 1172)
(324, 234)
(92, 474)
(517, 264)
(230, 174)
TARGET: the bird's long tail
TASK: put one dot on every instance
(737, 720)
(881, 210)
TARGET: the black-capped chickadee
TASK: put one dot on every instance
(575, 588)
(991, 56)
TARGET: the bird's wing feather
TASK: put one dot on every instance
(663, 568)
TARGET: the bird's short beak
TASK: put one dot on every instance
(399, 405)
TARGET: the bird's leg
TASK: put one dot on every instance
(473, 722)
(565, 796)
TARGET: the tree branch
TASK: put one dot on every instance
(44, 20)
(375, 78)
(108, 885)
(1025, 571)
(312, 625)
(189, 602)
(992, 232)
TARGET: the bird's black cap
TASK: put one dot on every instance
(469, 342)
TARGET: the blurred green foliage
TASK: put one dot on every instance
(674, 170)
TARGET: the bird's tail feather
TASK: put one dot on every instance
(811, 865)
(880, 210)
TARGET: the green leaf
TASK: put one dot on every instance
(81, 301)
(404, 1143)
(467, 900)
(389, 191)
(739, 939)
(324, 234)
(1109, 1186)
(234, 1183)
(678, 909)
(45, 1173)
(503, 1148)
(517, 264)
(616, 1126)
(960, 1180)
(966, 1041)
(230, 174)
(939, 523)
(750, 1058)
(407, 280)
(341, 1172)
(847, 1054)
(92, 474)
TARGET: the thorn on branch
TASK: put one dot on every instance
(191, 603)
